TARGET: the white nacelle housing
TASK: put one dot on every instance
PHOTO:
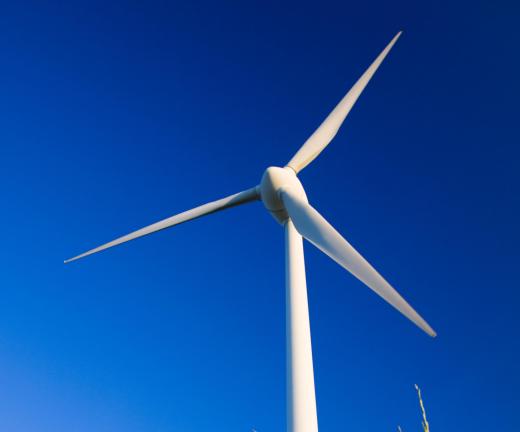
(273, 181)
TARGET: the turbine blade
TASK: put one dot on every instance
(313, 226)
(321, 138)
(212, 207)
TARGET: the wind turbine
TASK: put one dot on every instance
(284, 197)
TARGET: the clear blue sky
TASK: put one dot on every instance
(115, 116)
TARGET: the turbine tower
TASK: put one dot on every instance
(284, 197)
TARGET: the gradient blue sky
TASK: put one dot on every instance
(114, 116)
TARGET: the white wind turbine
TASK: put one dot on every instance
(284, 197)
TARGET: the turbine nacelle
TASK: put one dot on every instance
(274, 180)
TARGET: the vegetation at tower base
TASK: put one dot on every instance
(425, 424)
(424, 420)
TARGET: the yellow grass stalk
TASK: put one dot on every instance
(425, 424)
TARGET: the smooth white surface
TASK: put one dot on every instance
(273, 180)
(313, 226)
(212, 207)
(321, 138)
(301, 399)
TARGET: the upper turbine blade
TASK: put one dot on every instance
(313, 226)
(212, 207)
(321, 138)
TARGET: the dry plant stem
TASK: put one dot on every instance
(425, 424)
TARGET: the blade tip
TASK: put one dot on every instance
(72, 259)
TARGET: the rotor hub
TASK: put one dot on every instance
(273, 181)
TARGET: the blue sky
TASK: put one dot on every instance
(115, 116)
